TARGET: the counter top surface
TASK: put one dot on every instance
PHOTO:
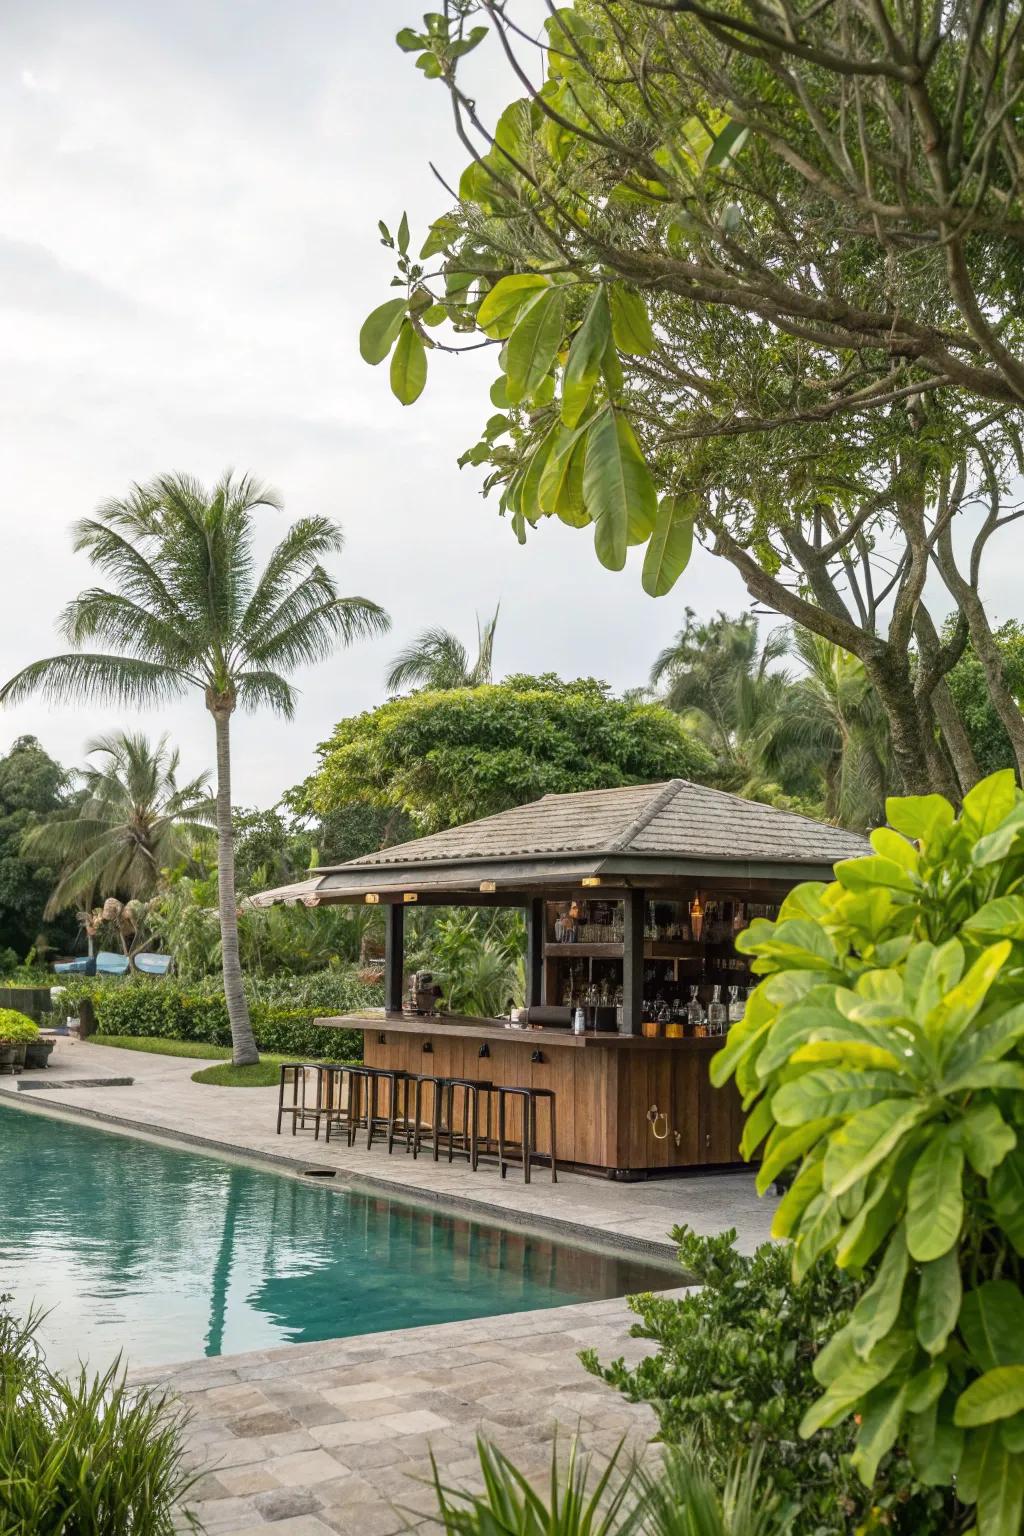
(497, 1029)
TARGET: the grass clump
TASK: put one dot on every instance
(83, 1455)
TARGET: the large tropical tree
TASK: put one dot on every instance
(437, 658)
(186, 609)
(131, 821)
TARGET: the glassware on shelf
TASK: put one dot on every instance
(732, 1006)
(718, 1014)
(741, 1004)
(695, 1012)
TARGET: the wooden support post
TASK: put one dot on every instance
(632, 962)
(535, 952)
(394, 957)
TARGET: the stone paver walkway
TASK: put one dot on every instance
(164, 1100)
(337, 1437)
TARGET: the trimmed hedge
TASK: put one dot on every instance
(282, 1022)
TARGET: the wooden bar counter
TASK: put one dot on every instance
(627, 1106)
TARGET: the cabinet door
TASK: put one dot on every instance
(721, 1122)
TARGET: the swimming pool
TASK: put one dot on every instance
(168, 1254)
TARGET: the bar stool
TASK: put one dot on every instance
(463, 1093)
(421, 1081)
(295, 1073)
(337, 1098)
(398, 1089)
(527, 1147)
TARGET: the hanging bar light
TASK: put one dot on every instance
(696, 917)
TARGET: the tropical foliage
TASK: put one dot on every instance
(476, 957)
(881, 1059)
(623, 1497)
(188, 610)
(732, 1375)
(438, 659)
(714, 299)
(131, 821)
(32, 784)
(82, 1454)
(449, 757)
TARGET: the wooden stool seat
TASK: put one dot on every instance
(527, 1147)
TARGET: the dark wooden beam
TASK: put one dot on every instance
(633, 962)
(394, 957)
(535, 953)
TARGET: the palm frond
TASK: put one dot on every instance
(482, 671)
(106, 679)
(256, 687)
(435, 659)
(304, 545)
(126, 625)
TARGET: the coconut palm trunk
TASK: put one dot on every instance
(244, 1052)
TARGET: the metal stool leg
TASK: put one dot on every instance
(528, 1129)
(554, 1140)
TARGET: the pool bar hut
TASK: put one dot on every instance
(632, 900)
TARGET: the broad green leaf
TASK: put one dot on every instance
(879, 1307)
(529, 492)
(571, 507)
(402, 238)
(1006, 1192)
(380, 331)
(938, 1301)
(796, 1200)
(987, 1138)
(727, 146)
(617, 486)
(990, 1074)
(865, 872)
(758, 1124)
(631, 324)
(785, 1147)
(1000, 1491)
(670, 547)
(583, 365)
(893, 846)
(998, 1394)
(832, 1092)
(1011, 1432)
(856, 1379)
(927, 1386)
(992, 1324)
(504, 305)
(962, 1002)
(987, 1043)
(935, 1198)
(1001, 918)
(881, 1418)
(996, 845)
(919, 816)
(408, 366)
(820, 1225)
(499, 393)
(554, 481)
(533, 345)
(863, 1142)
(846, 1053)
(866, 1233)
(935, 1446)
(987, 804)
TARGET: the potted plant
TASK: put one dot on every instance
(38, 1052)
(16, 1033)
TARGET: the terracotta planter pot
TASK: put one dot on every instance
(37, 1054)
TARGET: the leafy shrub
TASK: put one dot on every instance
(733, 1374)
(282, 1011)
(883, 1058)
(80, 1455)
(15, 1027)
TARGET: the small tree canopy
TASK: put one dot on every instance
(446, 757)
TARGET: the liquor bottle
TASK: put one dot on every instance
(741, 1004)
(733, 1007)
(694, 1012)
(718, 1014)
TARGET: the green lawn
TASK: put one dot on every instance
(264, 1075)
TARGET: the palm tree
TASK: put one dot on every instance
(131, 821)
(187, 609)
(831, 716)
(438, 659)
(727, 690)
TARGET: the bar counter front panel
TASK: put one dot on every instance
(626, 1105)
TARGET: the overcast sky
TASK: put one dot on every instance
(188, 246)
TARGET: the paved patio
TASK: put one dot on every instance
(336, 1437)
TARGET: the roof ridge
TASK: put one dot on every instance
(657, 803)
(575, 794)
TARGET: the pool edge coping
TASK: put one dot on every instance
(591, 1237)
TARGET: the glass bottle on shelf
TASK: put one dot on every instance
(619, 1007)
(717, 1012)
(695, 1012)
(741, 1003)
(732, 1006)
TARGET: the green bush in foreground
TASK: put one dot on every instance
(733, 1374)
(882, 1058)
(81, 1456)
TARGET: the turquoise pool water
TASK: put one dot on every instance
(168, 1255)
